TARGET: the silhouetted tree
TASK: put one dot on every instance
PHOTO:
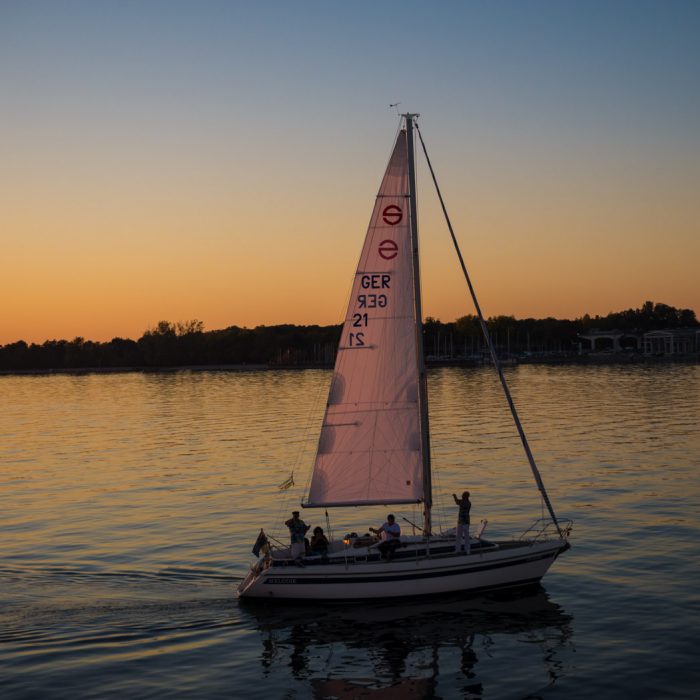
(184, 343)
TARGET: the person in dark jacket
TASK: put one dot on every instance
(465, 506)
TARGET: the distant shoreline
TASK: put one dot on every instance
(552, 360)
(634, 335)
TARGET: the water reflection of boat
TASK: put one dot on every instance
(350, 690)
(388, 652)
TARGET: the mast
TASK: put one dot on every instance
(422, 377)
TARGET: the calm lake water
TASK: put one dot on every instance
(129, 504)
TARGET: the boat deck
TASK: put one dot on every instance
(406, 551)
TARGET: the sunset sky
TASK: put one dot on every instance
(219, 160)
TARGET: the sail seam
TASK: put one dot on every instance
(390, 407)
(406, 450)
(385, 318)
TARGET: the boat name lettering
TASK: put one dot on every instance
(371, 301)
(375, 281)
(281, 580)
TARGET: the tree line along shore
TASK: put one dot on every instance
(173, 345)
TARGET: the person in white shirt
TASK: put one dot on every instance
(297, 530)
(392, 536)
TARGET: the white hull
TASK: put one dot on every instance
(443, 571)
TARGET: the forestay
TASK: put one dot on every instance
(369, 448)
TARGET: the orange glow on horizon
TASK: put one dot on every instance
(116, 270)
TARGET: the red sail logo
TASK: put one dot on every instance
(392, 215)
(388, 250)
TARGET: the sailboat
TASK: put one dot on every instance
(374, 443)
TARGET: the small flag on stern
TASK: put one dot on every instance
(259, 543)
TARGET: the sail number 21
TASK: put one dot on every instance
(368, 301)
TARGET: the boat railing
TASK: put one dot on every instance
(545, 529)
(418, 547)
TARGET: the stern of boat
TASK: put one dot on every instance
(248, 583)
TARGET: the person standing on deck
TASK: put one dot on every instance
(297, 530)
(465, 506)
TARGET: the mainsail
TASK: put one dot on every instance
(370, 448)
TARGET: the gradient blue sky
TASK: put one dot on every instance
(218, 160)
